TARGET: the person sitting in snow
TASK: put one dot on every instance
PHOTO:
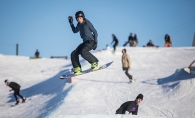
(168, 41)
(150, 44)
(16, 88)
(36, 54)
(130, 106)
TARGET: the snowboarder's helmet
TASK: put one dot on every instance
(140, 96)
(80, 14)
(6, 80)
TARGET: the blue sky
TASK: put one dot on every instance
(43, 24)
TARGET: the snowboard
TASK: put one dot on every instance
(69, 75)
(151, 46)
(190, 68)
(126, 43)
(21, 103)
(35, 58)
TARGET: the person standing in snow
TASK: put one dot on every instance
(126, 64)
(89, 35)
(135, 40)
(115, 40)
(130, 40)
(16, 88)
(130, 106)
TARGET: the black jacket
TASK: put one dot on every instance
(130, 106)
(37, 53)
(115, 40)
(150, 44)
(14, 85)
(131, 38)
(87, 30)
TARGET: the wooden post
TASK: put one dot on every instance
(16, 49)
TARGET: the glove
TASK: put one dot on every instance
(95, 45)
(126, 112)
(70, 19)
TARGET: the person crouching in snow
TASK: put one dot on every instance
(16, 88)
(130, 106)
(89, 35)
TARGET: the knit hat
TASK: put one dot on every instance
(6, 80)
(140, 96)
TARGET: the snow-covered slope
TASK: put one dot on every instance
(168, 90)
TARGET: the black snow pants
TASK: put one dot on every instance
(127, 73)
(83, 49)
(114, 46)
(17, 93)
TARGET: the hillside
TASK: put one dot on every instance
(168, 90)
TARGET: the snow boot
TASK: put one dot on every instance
(23, 100)
(113, 52)
(94, 66)
(131, 80)
(77, 71)
(17, 102)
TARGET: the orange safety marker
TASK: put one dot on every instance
(70, 79)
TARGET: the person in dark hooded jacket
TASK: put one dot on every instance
(150, 44)
(130, 106)
(89, 35)
(16, 88)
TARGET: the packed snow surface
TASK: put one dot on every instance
(168, 90)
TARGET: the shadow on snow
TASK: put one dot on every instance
(52, 86)
(172, 80)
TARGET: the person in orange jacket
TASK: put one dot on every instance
(168, 41)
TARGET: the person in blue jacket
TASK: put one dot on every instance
(89, 35)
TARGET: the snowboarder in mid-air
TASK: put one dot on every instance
(16, 88)
(89, 35)
(115, 40)
(130, 106)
